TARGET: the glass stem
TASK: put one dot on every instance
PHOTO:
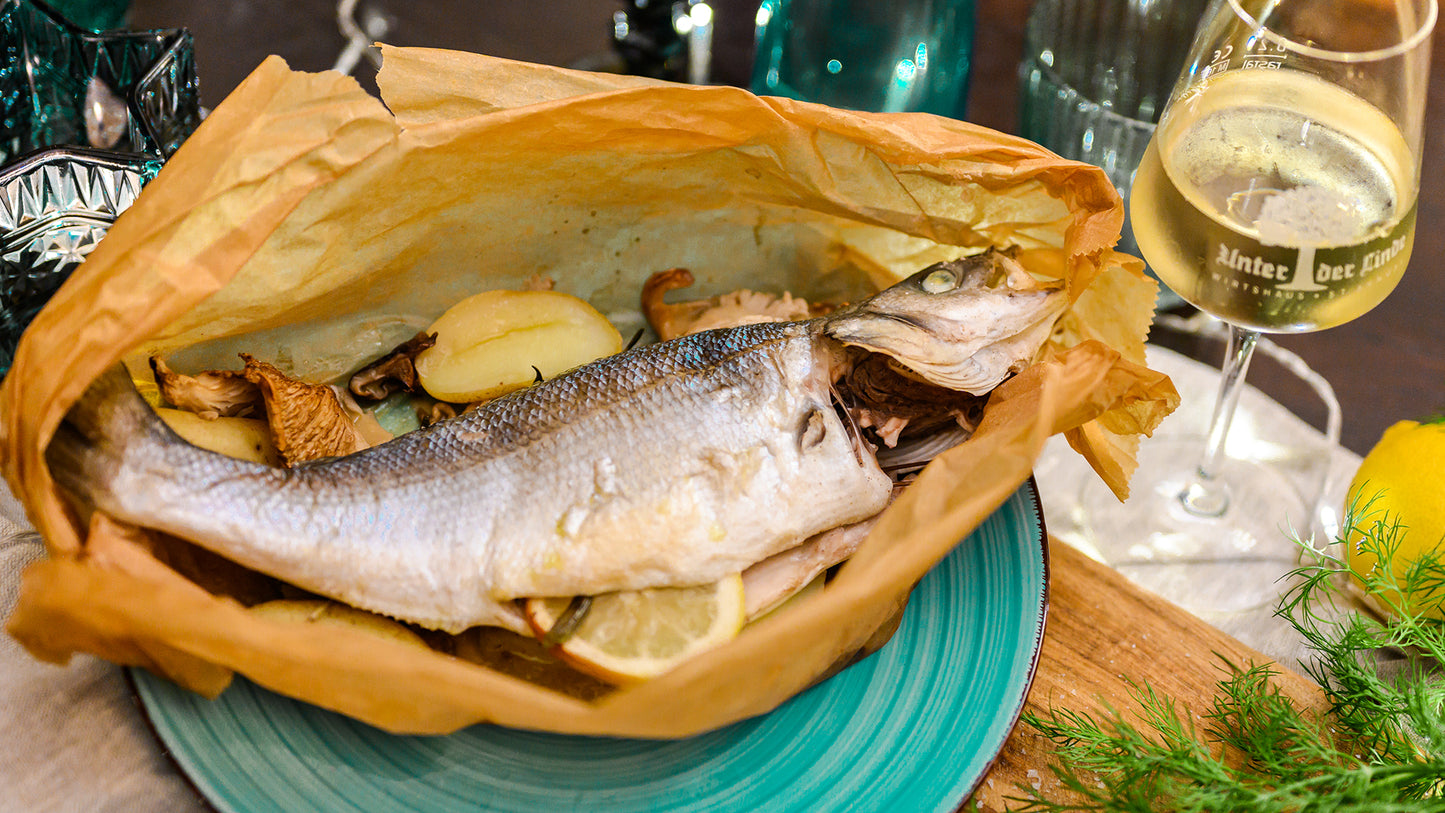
(1206, 496)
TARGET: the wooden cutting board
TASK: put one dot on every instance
(1103, 632)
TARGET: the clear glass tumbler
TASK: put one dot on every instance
(1095, 75)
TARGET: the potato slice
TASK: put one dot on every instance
(488, 344)
(323, 611)
(243, 438)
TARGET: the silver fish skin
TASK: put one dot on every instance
(670, 464)
(673, 463)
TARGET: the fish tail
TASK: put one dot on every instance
(90, 444)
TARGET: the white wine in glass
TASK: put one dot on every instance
(1279, 195)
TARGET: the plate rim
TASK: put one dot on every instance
(1036, 505)
(1033, 504)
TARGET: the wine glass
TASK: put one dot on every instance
(1278, 193)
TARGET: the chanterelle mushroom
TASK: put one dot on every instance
(306, 419)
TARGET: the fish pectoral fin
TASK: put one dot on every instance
(772, 581)
(861, 446)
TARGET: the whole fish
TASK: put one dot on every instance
(669, 464)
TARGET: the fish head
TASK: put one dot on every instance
(965, 325)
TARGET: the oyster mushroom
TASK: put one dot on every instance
(742, 307)
(211, 394)
(396, 372)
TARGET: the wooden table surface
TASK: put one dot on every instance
(1102, 633)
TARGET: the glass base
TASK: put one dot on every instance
(1227, 562)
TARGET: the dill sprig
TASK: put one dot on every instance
(1379, 748)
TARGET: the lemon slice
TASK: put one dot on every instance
(633, 635)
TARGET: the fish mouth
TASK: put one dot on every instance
(874, 330)
(901, 318)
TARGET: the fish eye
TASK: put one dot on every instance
(939, 281)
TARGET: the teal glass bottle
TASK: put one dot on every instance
(909, 55)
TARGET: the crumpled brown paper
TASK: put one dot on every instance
(309, 224)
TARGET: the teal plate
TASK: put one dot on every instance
(912, 728)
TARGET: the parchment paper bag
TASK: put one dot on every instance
(310, 225)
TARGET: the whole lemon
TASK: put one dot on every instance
(1402, 480)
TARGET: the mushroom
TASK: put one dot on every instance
(307, 420)
(211, 394)
(741, 307)
(395, 372)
